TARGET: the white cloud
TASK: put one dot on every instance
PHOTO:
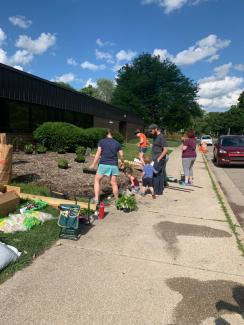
(21, 57)
(3, 57)
(171, 5)
(223, 70)
(37, 46)
(2, 36)
(125, 55)
(220, 91)
(66, 78)
(20, 21)
(89, 82)
(239, 67)
(18, 67)
(71, 61)
(163, 54)
(206, 49)
(117, 67)
(103, 43)
(104, 56)
(91, 66)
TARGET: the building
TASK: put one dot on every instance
(27, 101)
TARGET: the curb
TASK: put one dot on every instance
(229, 214)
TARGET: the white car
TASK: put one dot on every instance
(207, 139)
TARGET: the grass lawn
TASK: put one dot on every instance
(31, 243)
(131, 150)
(33, 188)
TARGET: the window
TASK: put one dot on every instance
(83, 120)
(38, 115)
(18, 116)
(233, 142)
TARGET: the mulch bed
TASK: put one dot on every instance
(43, 169)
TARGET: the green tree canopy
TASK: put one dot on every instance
(158, 92)
(103, 91)
(65, 85)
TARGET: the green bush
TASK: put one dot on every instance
(41, 148)
(80, 158)
(56, 135)
(61, 150)
(63, 163)
(29, 148)
(126, 202)
(80, 151)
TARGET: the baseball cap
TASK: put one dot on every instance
(153, 126)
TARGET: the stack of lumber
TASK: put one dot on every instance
(6, 156)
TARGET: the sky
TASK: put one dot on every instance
(80, 41)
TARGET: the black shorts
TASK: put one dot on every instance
(147, 182)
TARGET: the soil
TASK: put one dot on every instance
(43, 169)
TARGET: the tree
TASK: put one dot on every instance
(90, 91)
(158, 92)
(103, 91)
(64, 85)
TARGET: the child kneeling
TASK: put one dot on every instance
(147, 177)
(134, 183)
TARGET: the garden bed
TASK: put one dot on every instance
(43, 170)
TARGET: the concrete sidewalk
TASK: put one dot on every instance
(174, 261)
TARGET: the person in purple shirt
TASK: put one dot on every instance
(189, 155)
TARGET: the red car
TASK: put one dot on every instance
(229, 150)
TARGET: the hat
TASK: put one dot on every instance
(153, 126)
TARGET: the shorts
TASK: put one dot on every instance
(108, 170)
(144, 149)
(147, 182)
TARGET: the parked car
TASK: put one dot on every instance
(207, 139)
(229, 150)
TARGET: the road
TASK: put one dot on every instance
(231, 179)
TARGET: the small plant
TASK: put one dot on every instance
(29, 149)
(40, 148)
(63, 163)
(17, 143)
(80, 151)
(80, 158)
(61, 151)
(127, 203)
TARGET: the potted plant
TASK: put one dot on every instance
(17, 143)
(63, 163)
(80, 151)
(80, 158)
(127, 203)
(29, 149)
(40, 148)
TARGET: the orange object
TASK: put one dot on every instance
(144, 139)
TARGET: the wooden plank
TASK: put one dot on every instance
(15, 189)
(56, 202)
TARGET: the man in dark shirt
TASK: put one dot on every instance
(159, 152)
(107, 151)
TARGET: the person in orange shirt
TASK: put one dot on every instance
(142, 144)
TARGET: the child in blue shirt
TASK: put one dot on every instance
(147, 177)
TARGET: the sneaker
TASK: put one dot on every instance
(154, 196)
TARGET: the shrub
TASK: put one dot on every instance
(56, 135)
(41, 148)
(63, 163)
(29, 148)
(80, 151)
(61, 150)
(80, 158)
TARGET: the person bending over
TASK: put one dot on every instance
(107, 155)
(134, 183)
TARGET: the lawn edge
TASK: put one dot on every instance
(226, 208)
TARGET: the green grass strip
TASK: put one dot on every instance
(232, 225)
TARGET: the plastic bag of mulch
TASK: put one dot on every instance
(8, 254)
